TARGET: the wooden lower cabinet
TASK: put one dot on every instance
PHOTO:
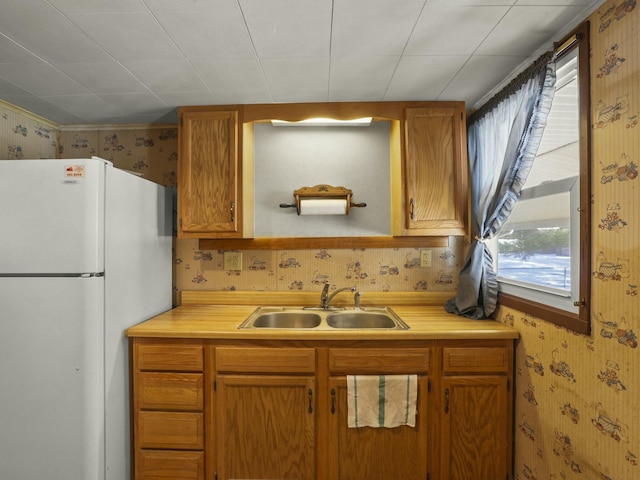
(474, 428)
(265, 427)
(168, 410)
(475, 413)
(376, 453)
(212, 411)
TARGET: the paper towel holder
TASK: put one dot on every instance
(322, 192)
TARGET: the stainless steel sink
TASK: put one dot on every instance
(301, 318)
(287, 320)
(282, 317)
(366, 319)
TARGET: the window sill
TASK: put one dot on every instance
(545, 312)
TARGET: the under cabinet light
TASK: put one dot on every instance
(324, 122)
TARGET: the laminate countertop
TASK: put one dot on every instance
(206, 321)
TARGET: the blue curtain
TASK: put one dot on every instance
(503, 138)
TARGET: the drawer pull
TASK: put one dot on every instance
(310, 392)
(446, 400)
(333, 401)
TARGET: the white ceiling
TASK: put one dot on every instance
(135, 61)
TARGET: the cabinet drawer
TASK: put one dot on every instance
(476, 360)
(265, 360)
(181, 357)
(174, 430)
(168, 465)
(379, 360)
(170, 391)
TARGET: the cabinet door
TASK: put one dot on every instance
(208, 174)
(376, 453)
(435, 171)
(474, 427)
(266, 427)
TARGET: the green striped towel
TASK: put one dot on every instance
(382, 400)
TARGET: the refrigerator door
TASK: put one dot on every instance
(52, 216)
(52, 377)
(138, 268)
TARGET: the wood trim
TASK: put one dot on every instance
(295, 243)
(545, 312)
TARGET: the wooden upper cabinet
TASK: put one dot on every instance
(209, 174)
(435, 170)
(428, 159)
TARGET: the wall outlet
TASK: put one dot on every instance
(232, 260)
(425, 258)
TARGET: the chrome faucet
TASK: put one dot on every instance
(325, 298)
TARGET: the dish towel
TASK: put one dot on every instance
(382, 400)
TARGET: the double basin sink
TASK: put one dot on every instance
(316, 318)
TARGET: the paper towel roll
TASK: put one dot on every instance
(328, 206)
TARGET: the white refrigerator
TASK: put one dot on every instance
(85, 252)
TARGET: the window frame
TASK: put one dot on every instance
(579, 322)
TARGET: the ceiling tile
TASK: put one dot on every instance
(297, 79)
(289, 28)
(221, 34)
(447, 30)
(167, 75)
(98, 6)
(187, 98)
(128, 36)
(486, 72)
(372, 27)
(45, 109)
(103, 77)
(11, 89)
(539, 23)
(133, 103)
(50, 36)
(234, 80)
(11, 52)
(191, 5)
(361, 78)
(40, 79)
(19, 7)
(89, 107)
(423, 77)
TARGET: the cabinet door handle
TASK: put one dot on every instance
(233, 211)
(333, 401)
(310, 393)
(446, 400)
(411, 209)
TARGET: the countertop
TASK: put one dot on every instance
(220, 321)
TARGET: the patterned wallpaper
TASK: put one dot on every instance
(578, 397)
(576, 412)
(23, 135)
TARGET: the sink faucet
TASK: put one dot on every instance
(356, 300)
(325, 298)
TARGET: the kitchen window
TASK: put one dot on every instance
(543, 250)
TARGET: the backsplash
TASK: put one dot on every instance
(371, 269)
